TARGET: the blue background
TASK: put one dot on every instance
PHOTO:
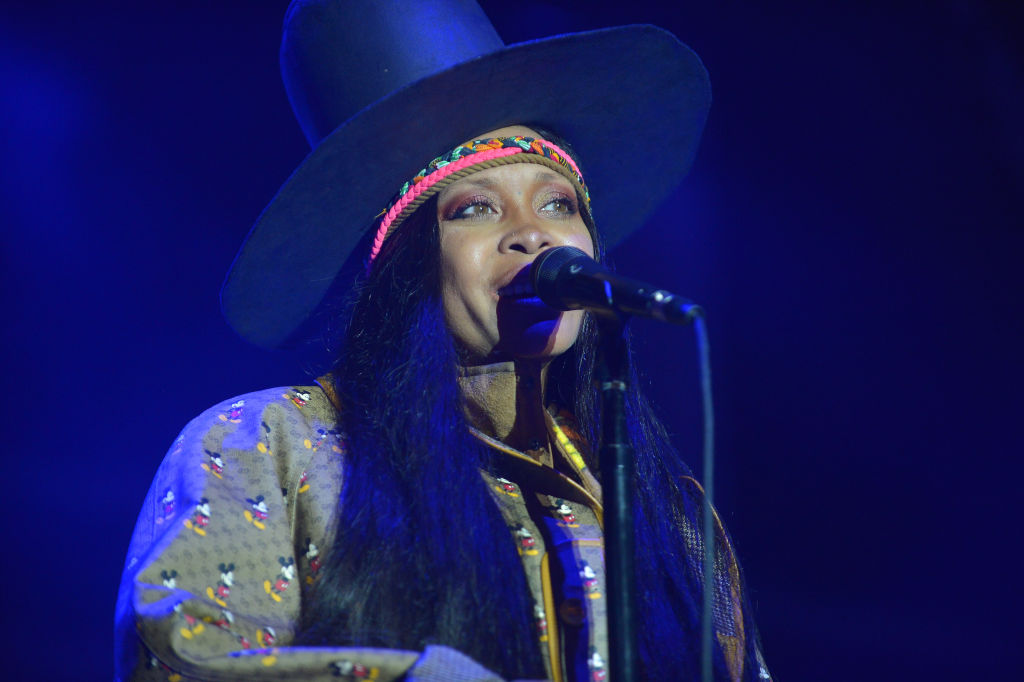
(852, 225)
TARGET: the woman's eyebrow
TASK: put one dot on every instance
(486, 183)
(544, 175)
(483, 182)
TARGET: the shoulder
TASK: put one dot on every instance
(252, 445)
(219, 527)
(280, 427)
(243, 419)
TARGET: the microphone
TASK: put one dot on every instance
(566, 278)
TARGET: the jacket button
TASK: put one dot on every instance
(571, 612)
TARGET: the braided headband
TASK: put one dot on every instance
(467, 159)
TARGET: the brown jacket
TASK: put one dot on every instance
(238, 519)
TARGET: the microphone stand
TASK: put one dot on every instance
(618, 481)
(566, 278)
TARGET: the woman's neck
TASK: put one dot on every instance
(505, 400)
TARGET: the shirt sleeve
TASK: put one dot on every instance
(210, 589)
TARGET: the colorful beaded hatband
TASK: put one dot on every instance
(466, 159)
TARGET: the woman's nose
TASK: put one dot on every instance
(529, 239)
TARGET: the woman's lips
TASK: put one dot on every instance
(521, 296)
(519, 286)
(517, 290)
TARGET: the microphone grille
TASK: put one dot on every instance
(546, 268)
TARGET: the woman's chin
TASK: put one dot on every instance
(543, 339)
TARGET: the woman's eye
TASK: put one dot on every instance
(472, 209)
(559, 205)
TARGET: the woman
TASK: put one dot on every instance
(430, 510)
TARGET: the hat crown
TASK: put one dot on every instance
(340, 56)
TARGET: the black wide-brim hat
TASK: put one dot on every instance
(381, 88)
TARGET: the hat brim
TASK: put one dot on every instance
(632, 100)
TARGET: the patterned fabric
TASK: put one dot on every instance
(236, 525)
(464, 160)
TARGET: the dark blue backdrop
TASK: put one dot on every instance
(852, 226)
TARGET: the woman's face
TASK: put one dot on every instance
(493, 224)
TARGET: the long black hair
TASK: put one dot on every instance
(421, 552)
